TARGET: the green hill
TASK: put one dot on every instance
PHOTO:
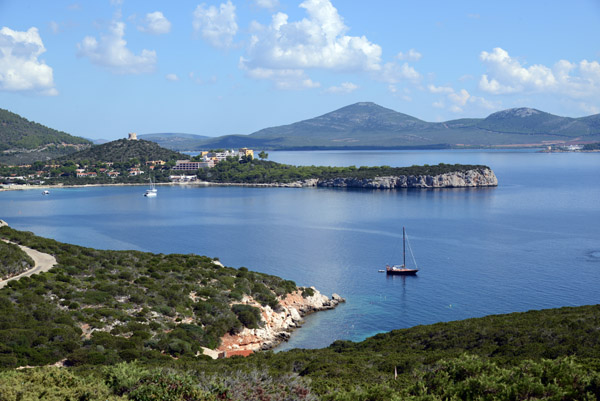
(132, 304)
(366, 125)
(24, 141)
(123, 150)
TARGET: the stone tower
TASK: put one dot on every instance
(132, 136)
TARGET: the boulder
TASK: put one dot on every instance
(337, 298)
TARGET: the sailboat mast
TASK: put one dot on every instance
(403, 247)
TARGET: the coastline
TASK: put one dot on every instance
(276, 326)
(458, 179)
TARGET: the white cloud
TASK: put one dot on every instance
(344, 87)
(200, 81)
(156, 23)
(440, 89)
(111, 52)
(457, 101)
(317, 41)
(20, 68)
(589, 108)
(284, 79)
(507, 75)
(217, 26)
(270, 4)
(393, 73)
(54, 27)
(172, 77)
(411, 55)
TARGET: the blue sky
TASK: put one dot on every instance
(103, 68)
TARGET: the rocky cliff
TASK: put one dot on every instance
(460, 179)
(277, 325)
(481, 177)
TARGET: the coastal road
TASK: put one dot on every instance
(43, 263)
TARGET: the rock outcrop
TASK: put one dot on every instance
(277, 325)
(482, 177)
(460, 179)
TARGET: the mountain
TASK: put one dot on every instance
(24, 141)
(531, 121)
(367, 125)
(174, 141)
(123, 150)
(356, 118)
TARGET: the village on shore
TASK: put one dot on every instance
(180, 171)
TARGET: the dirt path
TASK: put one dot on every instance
(43, 263)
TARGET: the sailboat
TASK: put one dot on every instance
(151, 192)
(402, 269)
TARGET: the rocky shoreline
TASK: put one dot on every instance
(277, 325)
(483, 177)
(475, 178)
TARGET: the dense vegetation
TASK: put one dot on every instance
(98, 307)
(119, 318)
(13, 260)
(18, 132)
(592, 146)
(124, 150)
(65, 173)
(23, 141)
(263, 171)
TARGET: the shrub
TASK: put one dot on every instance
(248, 315)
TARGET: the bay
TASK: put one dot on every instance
(531, 243)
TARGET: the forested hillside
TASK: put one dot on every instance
(110, 306)
(23, 141)
(123, 150)
(265, 172)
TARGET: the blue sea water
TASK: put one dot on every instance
(531, 243)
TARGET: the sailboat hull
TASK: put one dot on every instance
(401, 271)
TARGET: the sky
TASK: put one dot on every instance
(104, 68)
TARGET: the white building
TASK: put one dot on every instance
(186, 165)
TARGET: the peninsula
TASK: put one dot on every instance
(268, 173)
(139, 305)
(132, 161)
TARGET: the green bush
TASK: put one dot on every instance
(248, 315)
(52, 384)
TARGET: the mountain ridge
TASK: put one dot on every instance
(367, 125)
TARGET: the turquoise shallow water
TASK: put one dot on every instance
(533, 242)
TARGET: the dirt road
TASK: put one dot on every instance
(43, 263)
